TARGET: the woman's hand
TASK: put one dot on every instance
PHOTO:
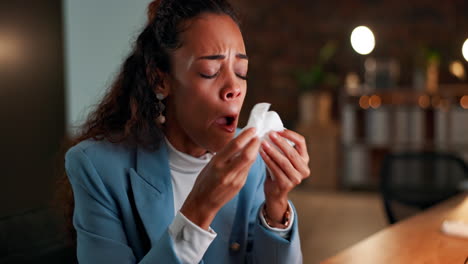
(221, 179)
(288, 168)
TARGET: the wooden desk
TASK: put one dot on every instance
(415, 240)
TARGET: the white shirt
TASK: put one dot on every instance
(190, 240)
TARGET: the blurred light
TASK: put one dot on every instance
(424, 101)
(362, 40)
(10, 49)
(352, 83)
(370, 64)
(464, 102)
(456, 68)
(364, 102)
(444, 104)
(465, 50)
(436, 101)
(375, 101)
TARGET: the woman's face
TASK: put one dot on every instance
(207, 85)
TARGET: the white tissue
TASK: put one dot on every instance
(263, 120)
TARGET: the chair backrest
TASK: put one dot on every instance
(418, 180)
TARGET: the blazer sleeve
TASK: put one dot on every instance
(101, 237)
(268, 246)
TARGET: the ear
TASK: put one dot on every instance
(164, 86)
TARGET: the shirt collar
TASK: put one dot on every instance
(185, 163)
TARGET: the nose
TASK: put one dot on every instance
(231, 90)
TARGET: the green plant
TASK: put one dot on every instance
(316, 77)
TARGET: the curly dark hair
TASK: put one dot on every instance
(128, 110)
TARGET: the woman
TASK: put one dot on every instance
(158, 175)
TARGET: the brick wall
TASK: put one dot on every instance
(282, 36)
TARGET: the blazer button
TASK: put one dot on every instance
(235, 246)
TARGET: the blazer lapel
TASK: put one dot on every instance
(152, 190)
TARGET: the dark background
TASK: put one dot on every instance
(32, 125)
(32, 103)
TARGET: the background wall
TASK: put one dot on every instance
(31, 102)
(98, 36)
(32, 126)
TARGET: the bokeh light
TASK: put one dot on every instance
(375, 101)
(424, 101)
(352, 83)
(465, 49)
(362, 40)
(464, 102)
(456, 68)
(364, 102)
(436, 101)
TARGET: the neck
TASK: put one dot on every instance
(181, 141)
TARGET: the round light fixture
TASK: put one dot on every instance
(465, 49)
(362, 40)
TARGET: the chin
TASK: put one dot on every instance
(218, 143)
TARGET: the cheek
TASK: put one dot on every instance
(193, 105)
(243, 92)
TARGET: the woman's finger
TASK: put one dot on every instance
(290, 152)
(245, 158)
(236, 145)
(282, 162)
(278, 174)
(298, 140)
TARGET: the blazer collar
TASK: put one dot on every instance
(153, 167)
(152, 192)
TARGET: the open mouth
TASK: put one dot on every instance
(227, 123)
(230, 120)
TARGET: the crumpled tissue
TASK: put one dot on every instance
(265, 121)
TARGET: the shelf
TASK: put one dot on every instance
(398, 120)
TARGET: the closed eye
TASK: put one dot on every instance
(209, 76)
(243, 77)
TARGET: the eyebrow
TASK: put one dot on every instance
(221, 57)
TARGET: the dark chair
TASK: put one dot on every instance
(414, 181)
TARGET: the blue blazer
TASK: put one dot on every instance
(124, 206)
